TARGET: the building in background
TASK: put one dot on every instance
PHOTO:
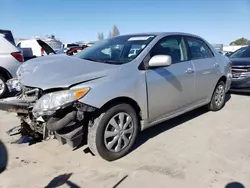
(218, 47)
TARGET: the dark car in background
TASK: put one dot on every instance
(241, 70)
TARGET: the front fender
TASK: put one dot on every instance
(105, 89)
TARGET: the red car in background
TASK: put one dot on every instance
(74, 50)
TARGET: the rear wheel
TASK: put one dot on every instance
(218, 98)
(113, 132)
(3, 87)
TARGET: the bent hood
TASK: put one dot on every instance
(61, 71)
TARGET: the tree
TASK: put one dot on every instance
(241, 41)
(110, 34)
(115, 31)
(100, 36)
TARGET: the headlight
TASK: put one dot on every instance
(53, 101)
(13, 85)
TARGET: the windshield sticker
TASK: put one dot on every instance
(140, 38)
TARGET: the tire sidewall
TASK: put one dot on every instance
(5, 88)
(100, 145)
(215, 107)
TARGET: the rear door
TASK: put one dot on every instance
(206, 68)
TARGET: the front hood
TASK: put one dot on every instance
(61, 71)
(243, 62)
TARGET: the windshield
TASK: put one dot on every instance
(117, 50)
(241, 53)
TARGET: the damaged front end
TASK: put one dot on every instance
(52, 113)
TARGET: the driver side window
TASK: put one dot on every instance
(172, 46)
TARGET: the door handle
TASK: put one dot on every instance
(189, 71)
(216, 65)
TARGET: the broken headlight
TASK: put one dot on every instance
(55, 100)
(13, 85)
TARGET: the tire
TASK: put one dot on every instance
(219, 90)
(5, 90)
(101, 126)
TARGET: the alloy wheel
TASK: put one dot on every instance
(219, 95)
(2, 86)
(118, 132)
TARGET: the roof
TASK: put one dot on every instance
(163, 33)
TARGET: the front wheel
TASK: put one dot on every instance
(113, 133)
(218, 99)
(3, 87)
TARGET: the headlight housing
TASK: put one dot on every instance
(55, 100)
(13, 85)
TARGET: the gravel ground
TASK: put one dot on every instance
(197, 150)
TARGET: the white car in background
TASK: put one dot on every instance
(37, 47)
(10, 59)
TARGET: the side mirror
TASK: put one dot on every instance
(160, 61)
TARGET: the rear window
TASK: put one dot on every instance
(46, 47)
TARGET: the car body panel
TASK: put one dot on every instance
(123, 84)
(169, 88)
(7, 61)
(206, 76)
(41, 73)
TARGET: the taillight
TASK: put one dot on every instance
(230, 63)
(42, 52)
(18, 56)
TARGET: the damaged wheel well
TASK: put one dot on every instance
(5, 73)
(120, 100)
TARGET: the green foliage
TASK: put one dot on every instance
(115, 32)
(241, 41)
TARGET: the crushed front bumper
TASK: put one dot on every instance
(16, 105)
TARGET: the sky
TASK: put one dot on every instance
(218, 21)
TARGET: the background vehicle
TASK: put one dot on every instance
(67, 46)
(114, 95)
(38, 47)
(71, 50)
(10, 59)
(241, 69)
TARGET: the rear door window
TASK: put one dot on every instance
(46, 47)
(199, 49)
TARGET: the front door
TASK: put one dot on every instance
(170, 89)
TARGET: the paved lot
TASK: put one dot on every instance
(200, 149)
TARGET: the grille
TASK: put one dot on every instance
(240, 72)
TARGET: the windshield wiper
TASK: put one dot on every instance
(115, 62)
(89, 59)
